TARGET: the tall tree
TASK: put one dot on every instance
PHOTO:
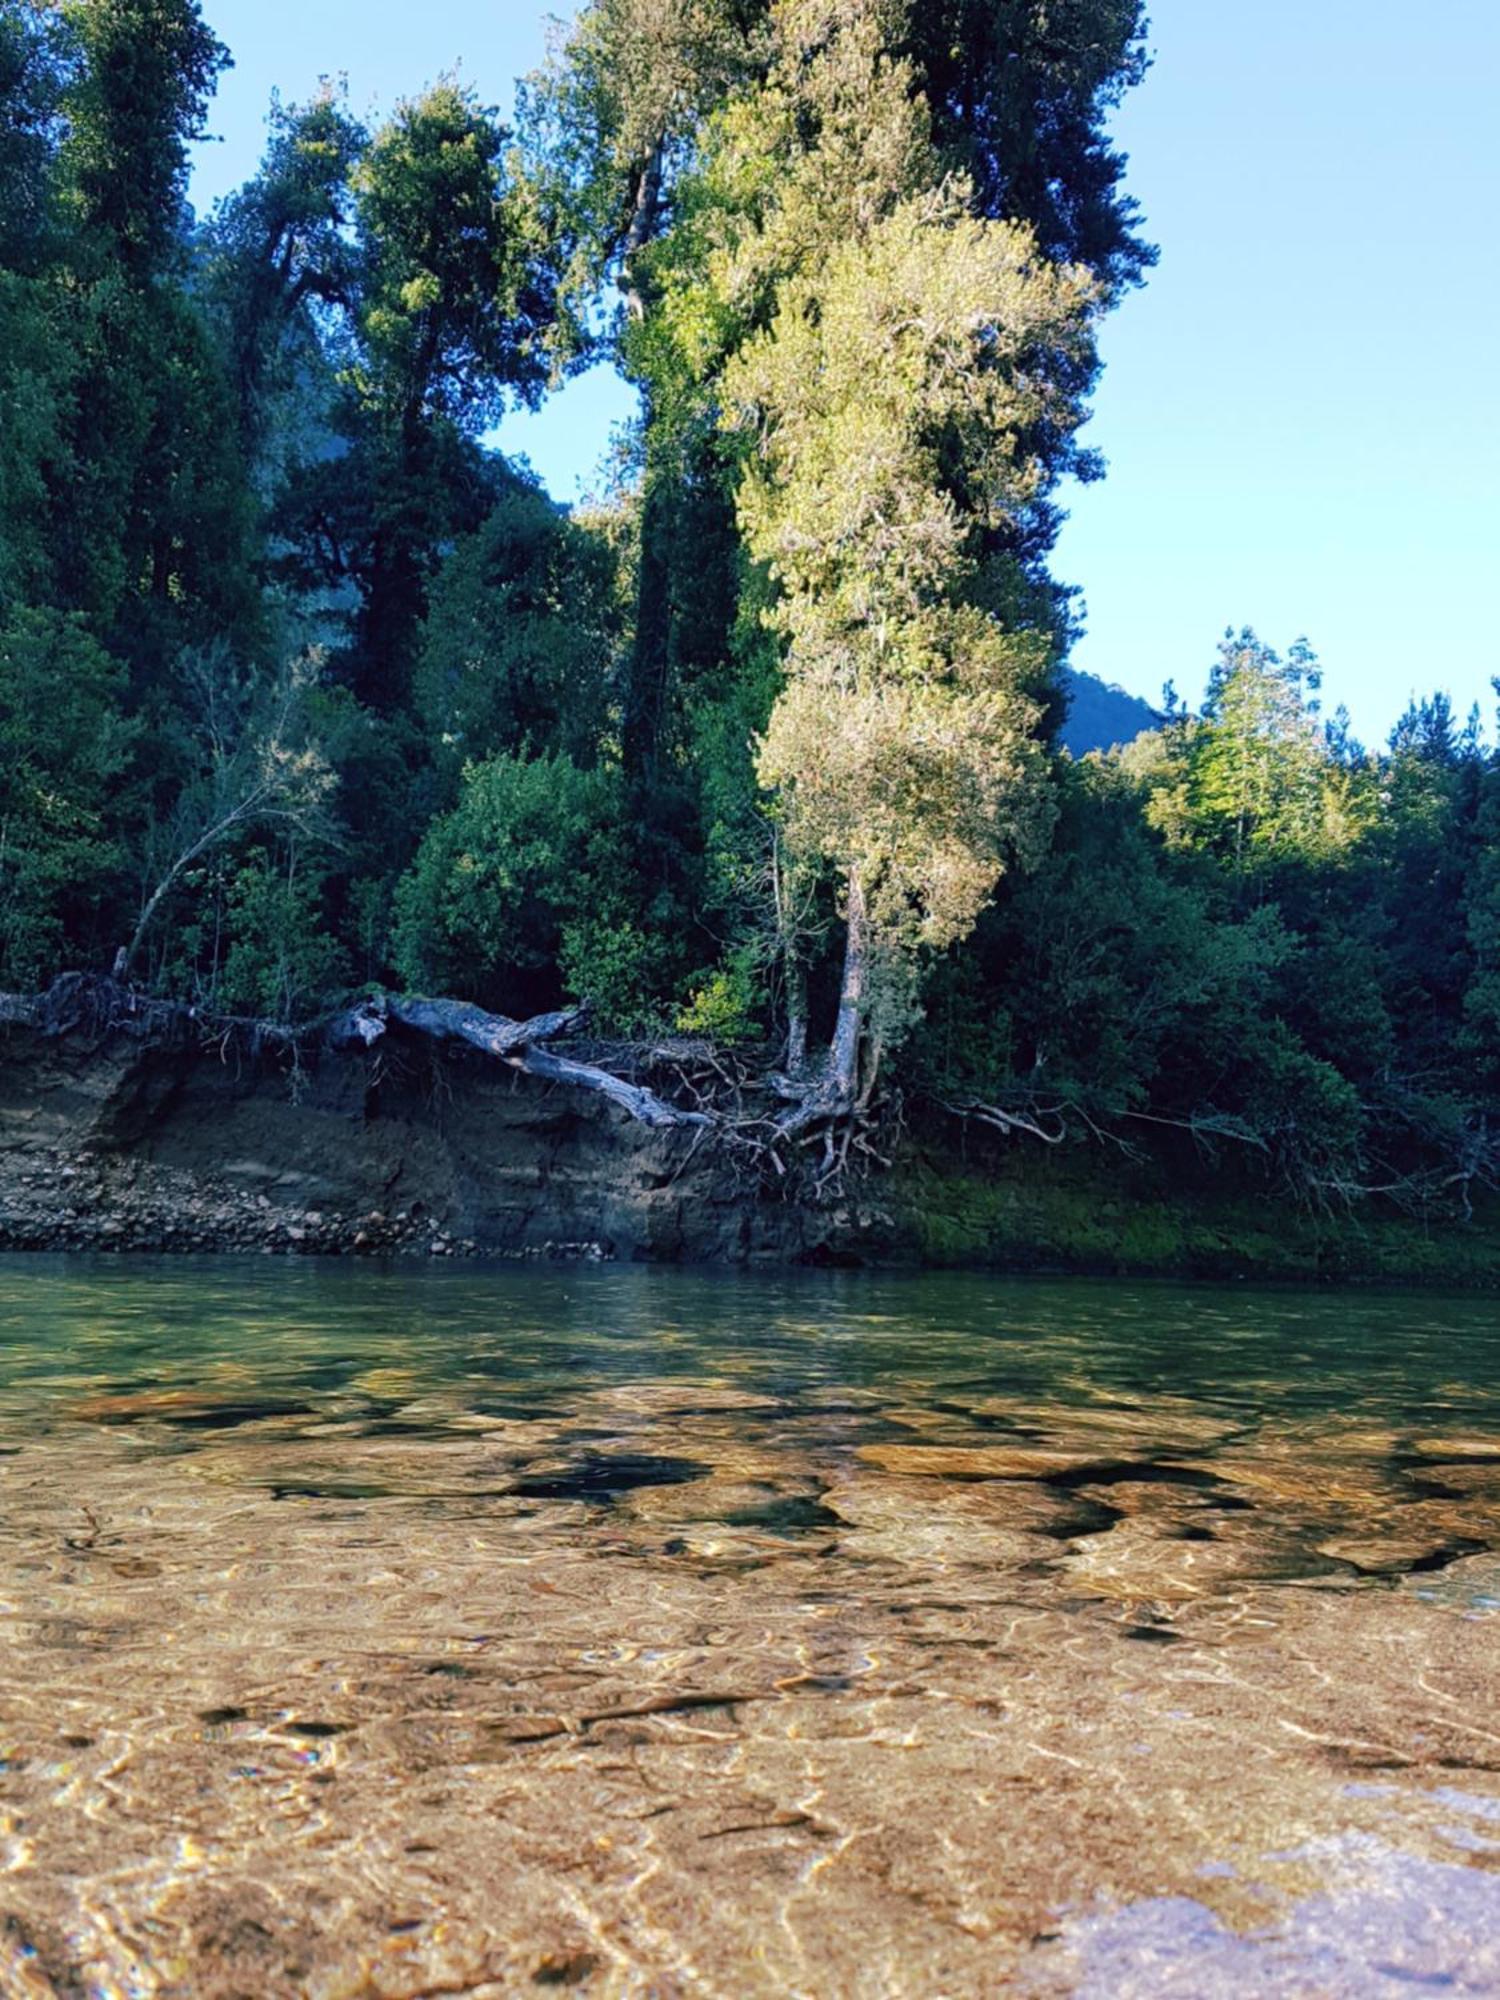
(33, 62)
(147, 71)
(151, 522)
(613, 120)
(453, 297)
(892, 399)
(1257, 779)
(1021, 92)
(682, 119)
(280, 250)
(33, 363)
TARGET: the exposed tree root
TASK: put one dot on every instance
(1009, 1122)
(520, 1045)
(812, 1108)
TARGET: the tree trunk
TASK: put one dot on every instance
(645, 219)
(795, 970)
(126, 959)
(394, 603)
(646, 679)
(843, 1059)
(649, 668)
(829, 1091)
(796, 1018)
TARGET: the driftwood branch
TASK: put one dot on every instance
(491, 1034)
(82, 1001)
(519, 1044)
(643, 1105)
(1009, 1122)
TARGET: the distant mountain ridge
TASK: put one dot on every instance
(1102, 716)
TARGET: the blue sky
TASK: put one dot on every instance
(1301, 410)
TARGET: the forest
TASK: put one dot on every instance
(309, 694)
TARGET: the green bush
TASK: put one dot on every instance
(481, 912)
(281, 959)
(608, 960)
(64, 747)
(726, 1006)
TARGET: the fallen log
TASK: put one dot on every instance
(642, 1104)
(87, 1002)
(518, 1044)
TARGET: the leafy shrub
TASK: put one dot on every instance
(281, 959)
(481, 912)
(608, 960)
(64, 747)
(727, 1005)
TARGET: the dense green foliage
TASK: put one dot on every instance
(303, 686)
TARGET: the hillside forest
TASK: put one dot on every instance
(307, 690)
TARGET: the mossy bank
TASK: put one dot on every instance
(1159, 1220)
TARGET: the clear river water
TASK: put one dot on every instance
(372, 1633)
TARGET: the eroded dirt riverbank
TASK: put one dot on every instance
(112, 1139)
(144, 1139)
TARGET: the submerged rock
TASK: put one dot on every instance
(1138, 1561)
(976, 1461)
(914, 1521)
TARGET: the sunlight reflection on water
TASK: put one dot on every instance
(371, 1631)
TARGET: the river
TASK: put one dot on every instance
(415, 1631)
